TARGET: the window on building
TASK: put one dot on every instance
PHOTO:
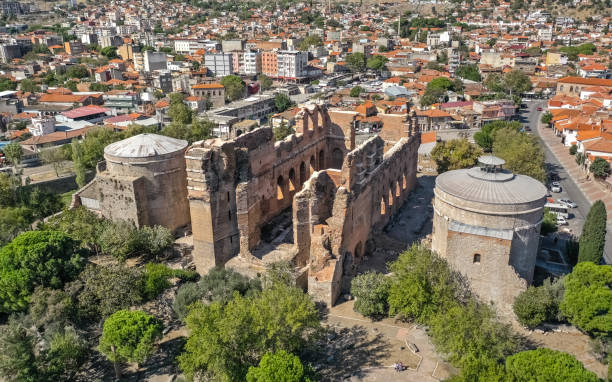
(477, 258)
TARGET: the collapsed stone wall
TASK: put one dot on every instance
(338, 194)
(236, 186)
(338, 211)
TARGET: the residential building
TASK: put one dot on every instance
(214, 93)
(221, 64)
(251, 62)
(292, 64)
(269, 64)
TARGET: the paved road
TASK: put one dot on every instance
(531, 117)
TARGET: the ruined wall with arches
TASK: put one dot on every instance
(237, 186)
(337, 212)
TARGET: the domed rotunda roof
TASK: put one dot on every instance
(489, 183)
(145, 145)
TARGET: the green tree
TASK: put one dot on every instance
(129, 336)
(593, 237)
(536, 305)
(573, 149)
(310, 40)
(371, 291)
(13, 153)
(77, 71)
(600, 168)
(280, 367)
(469, 72)
(81, 224)
(98, 87)
(517, 82)
(199, 130)
(72, 85)
(356, 62)
(226, 339)
(265, 82)
(234, 87)
(27, 85)
(282, 102)
(282, 131)
(587, 302)
(53, 156)
(484, 137)
(17, 359)
(522, 153)
(455, 154)
(178, 111)
(80, 167)
(546, 365)
(546, 118)
(51, 307)
(7, 84)
(422, 285)
(549, 223)
(120, 240)
(377, 62)
(66, 353)
(36, 258)
(14, 220)
(356, 91)
(109, 52)
(103, 290)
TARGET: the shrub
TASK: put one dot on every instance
(36, 258)
(51, 307)
(549, 223)
(538, 304)
(573, 149)
(220, 284)
(547, 365)
(156, 279)
(600, 168)
(280, 366)
(371, 291)
(186, 295)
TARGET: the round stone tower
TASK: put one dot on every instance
(150, 168)
(487, 224)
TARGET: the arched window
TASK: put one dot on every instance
(291, 180)
(383, 206)
(337, 159)
(321, 160)
(279, 188)
(313, 165)
(303, 177)
(476, 258)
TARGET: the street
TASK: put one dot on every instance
(531, 117)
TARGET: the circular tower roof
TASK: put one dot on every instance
(501, 187)
(145, 145)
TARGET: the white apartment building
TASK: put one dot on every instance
(150, 61)
(188, 46)
(221, 64)
(251, 63)
(292, 64)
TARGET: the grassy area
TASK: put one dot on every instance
(67, 197)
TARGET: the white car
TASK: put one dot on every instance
(555, 187)
(561, 221)
(568, 203)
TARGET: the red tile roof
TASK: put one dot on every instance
(85, 111)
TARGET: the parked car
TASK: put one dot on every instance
(555, 187)
(568, 203)
(561, 221)
(539, 109)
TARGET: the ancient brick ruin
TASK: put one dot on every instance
(313, 199)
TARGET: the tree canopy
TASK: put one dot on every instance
(469, 72)
(371, 291)
(234, 87)
(36, 258)
(282, 102)
(356, 62)
(455, 154)
(129, 335)
(484, 137)
(546, 365)
(587, 302)
(377, 62)
(522, 153)
(226, 339)
(593, 237)
(280, 367)
(600, 168)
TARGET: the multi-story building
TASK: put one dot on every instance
(292, 64)
(11, 8)
(214, 93)
(9, 51)
(163, 80)
(221, 64)
(74, 48)
(269, 64)
(251, 62)
(149, 61)
(188, 46)
(232, 45)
